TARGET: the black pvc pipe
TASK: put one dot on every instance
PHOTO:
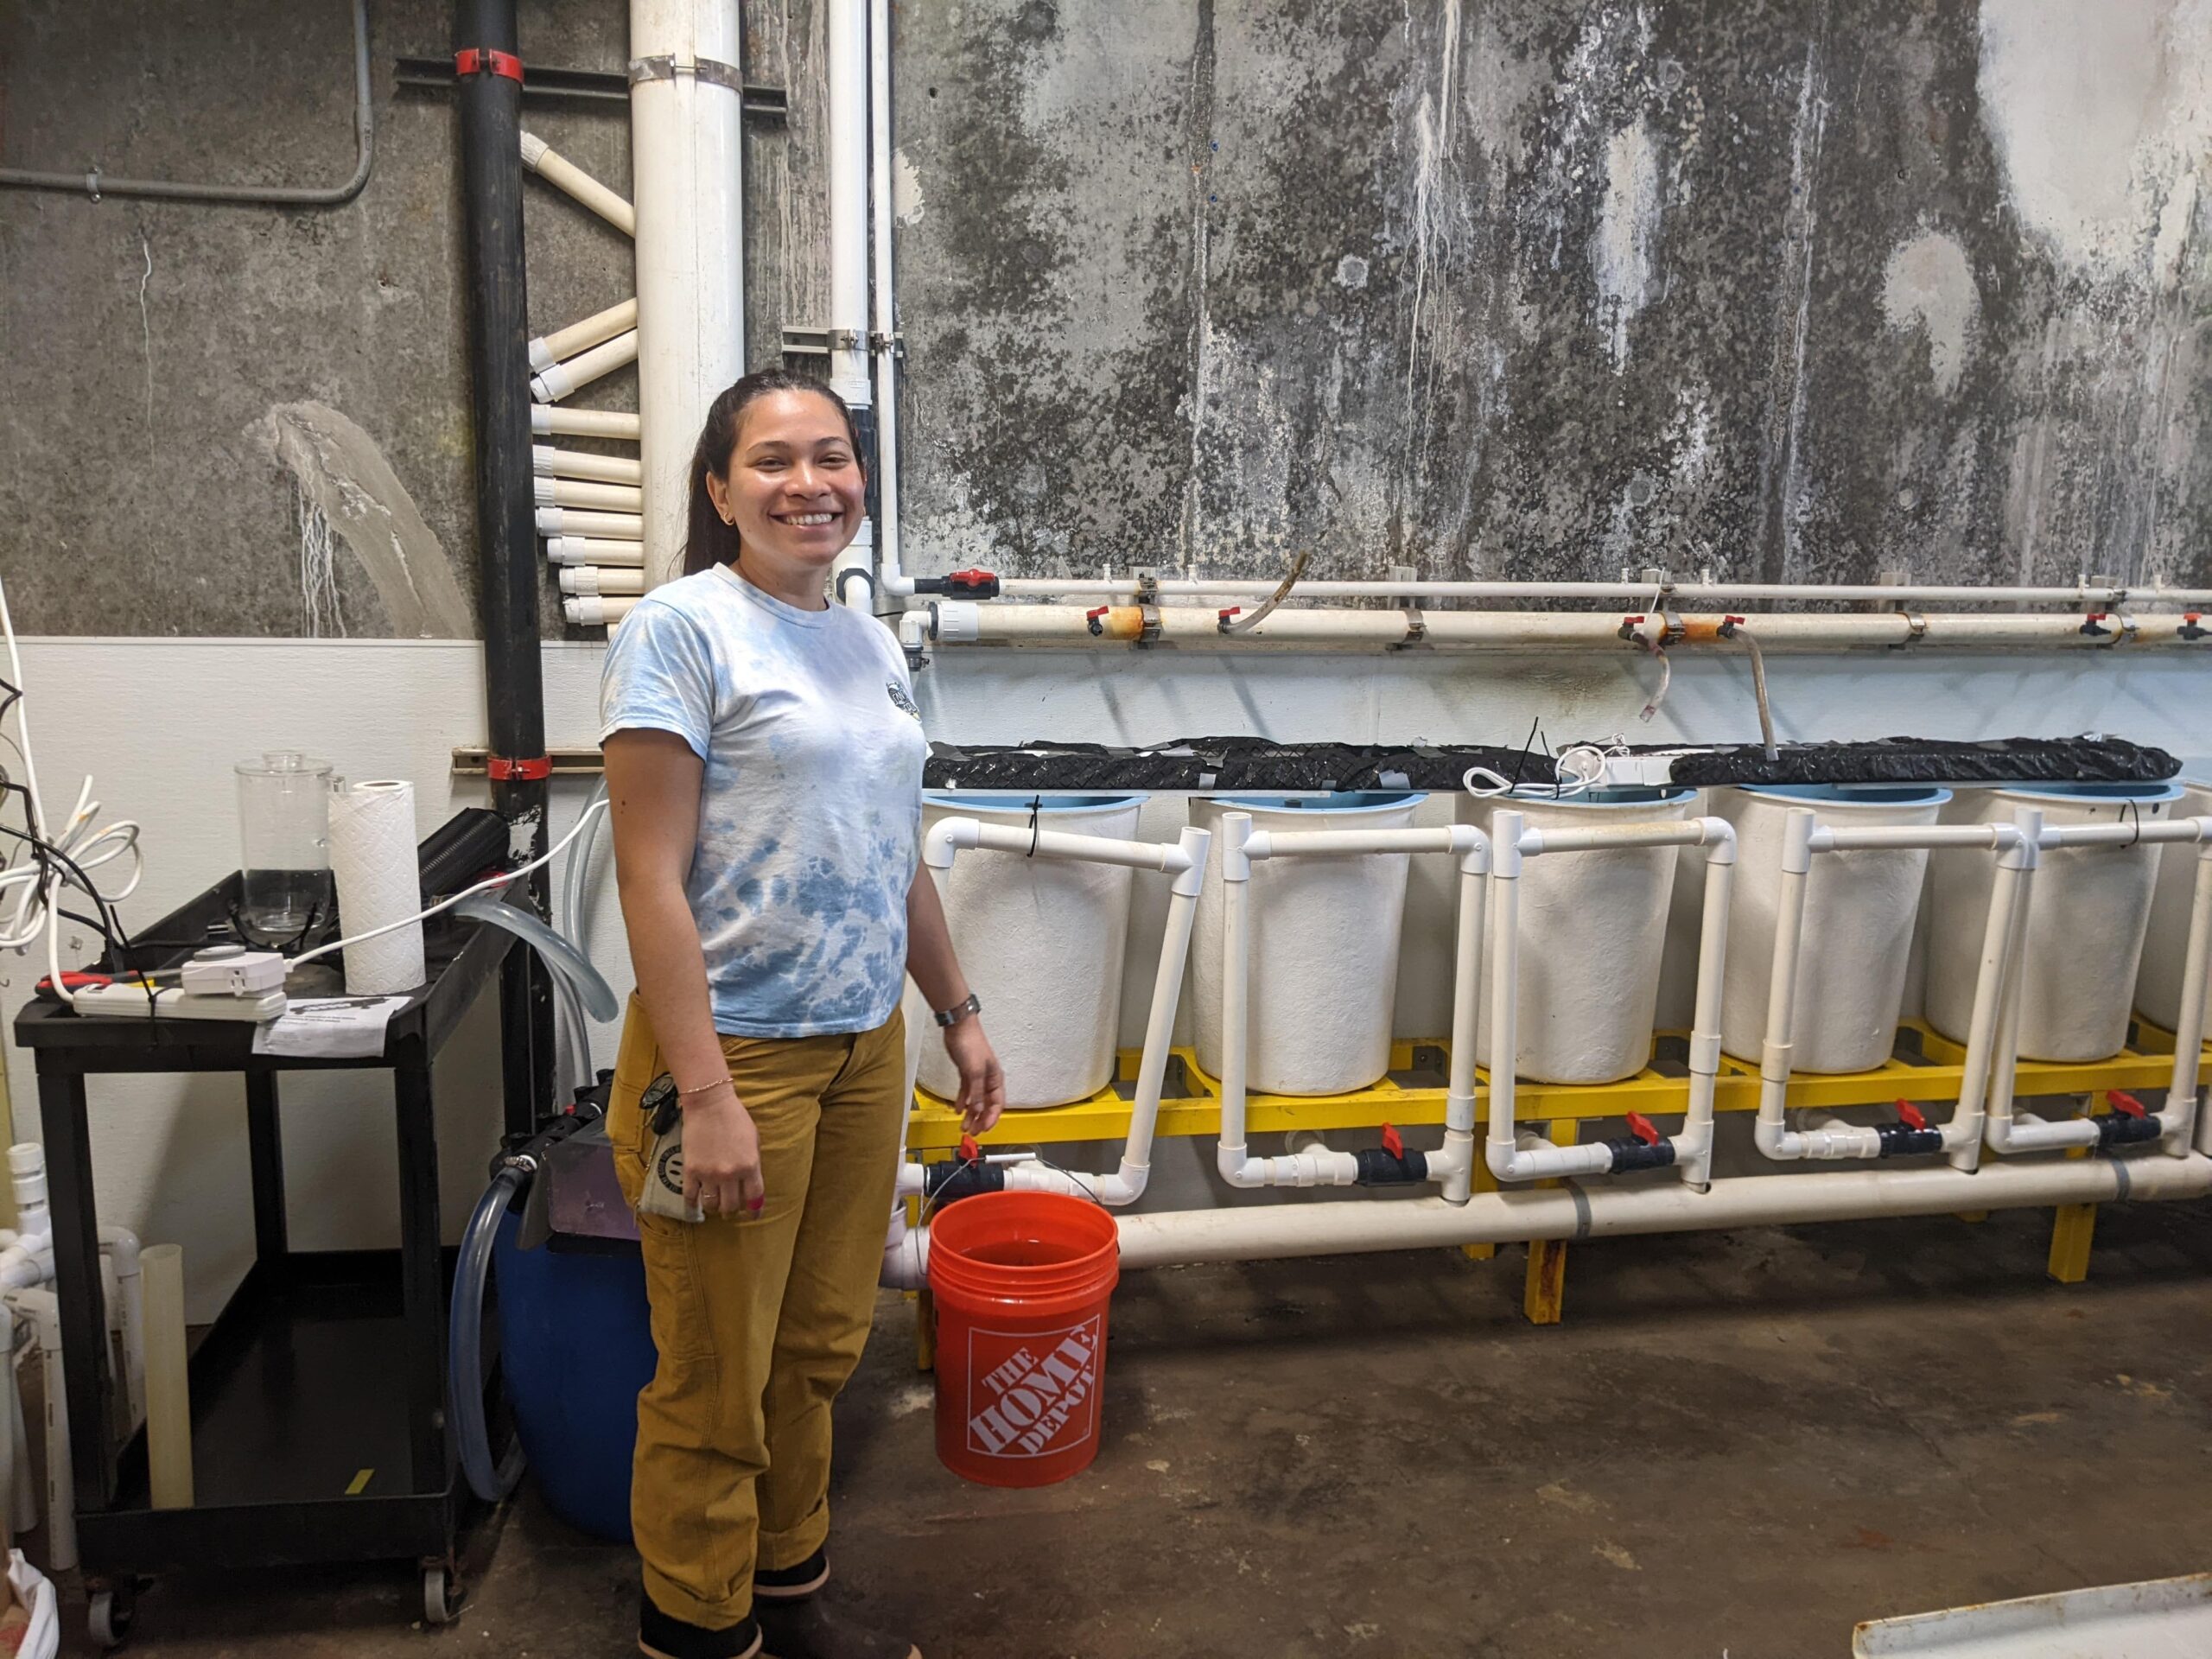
(490, 143)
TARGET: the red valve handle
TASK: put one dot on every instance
(971, 1151)
(1092, 616)
(1643, 1128)
(1234, 610)
(1911, 1115)
(2127, 1104)
(1393, 1142)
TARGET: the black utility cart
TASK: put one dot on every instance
(318, 1398)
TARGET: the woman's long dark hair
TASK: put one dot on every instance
(707, 541)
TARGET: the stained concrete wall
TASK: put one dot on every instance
(1785, 288)
(1788, 289)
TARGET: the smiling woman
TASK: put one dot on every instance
(764, 766)
(777, 484)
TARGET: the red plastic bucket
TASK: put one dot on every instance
(1022, 1281)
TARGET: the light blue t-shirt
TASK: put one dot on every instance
(810, 807)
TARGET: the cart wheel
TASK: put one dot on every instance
(108, 1619)
(441, 1596)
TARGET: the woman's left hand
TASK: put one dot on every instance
(983, 1079)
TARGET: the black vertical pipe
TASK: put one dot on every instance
(491, 169)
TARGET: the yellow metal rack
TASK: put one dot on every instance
(1925, 1066)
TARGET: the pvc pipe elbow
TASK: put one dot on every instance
(1473, 849)
(912, 1183)
(906, 1257)
(946, 837)
(1718, 837)
(120, 1246)
(1239, 1170)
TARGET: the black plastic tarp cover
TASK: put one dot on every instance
(1248, 763)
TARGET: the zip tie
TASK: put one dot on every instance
(1036, 805)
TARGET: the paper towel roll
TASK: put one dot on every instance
(372, 856)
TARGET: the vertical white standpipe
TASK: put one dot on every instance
(2181, 1115)
(892, 583)
(848, 324)
(169, 1392)
(687, 168)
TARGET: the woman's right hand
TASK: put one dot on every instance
(722, 1157)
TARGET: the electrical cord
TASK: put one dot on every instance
(589, 813)
(38, 908)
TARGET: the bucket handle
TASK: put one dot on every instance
(970, 1159)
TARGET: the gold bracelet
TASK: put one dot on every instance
(707, 1088)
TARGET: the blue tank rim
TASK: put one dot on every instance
(1622, 797)
(1343, 800)
(1852, 794)
(2156, 793)
(1021, 802)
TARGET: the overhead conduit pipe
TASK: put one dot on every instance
(1511, 1157)
(92, 182)
(1184, 859)
(955, 622)
(1452, 1165)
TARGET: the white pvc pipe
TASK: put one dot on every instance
(950, 836)
(601, 325)
(22, 1496)
(1577, 1211)
(600, 550)
(579, 493)
(560, 380)
(1316, 1165)
(2183, 1109)
(120, 1246)
(578, 463)
(2005, 1132)
(1186, 861)
(847, 84)
(1511, 1157)
(1643, 593)
(27, 1168)
(44, 1311)
(1265, 1233)
(591, 579)
(891, 582)
(573, 521)
(565, 176)
(687, 150)
(168, 1390)
(591, 611)
(548, 422)
(1126, 1186)
(967, 621)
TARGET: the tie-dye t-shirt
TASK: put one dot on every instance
(810, 807)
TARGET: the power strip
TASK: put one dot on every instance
(129, 1001)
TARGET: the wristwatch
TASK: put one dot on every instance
(952, 1016)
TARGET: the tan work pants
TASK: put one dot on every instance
(759, 1320)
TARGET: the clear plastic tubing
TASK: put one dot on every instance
(284, 842)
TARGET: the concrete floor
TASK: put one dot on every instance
(1735, 1445)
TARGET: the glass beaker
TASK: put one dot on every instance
(284, 835)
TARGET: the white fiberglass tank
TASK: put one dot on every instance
(2157, 988)
(1594, 928)
(2086, 915)
(1323, 942)
(1041, 942)
(1857, 941)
